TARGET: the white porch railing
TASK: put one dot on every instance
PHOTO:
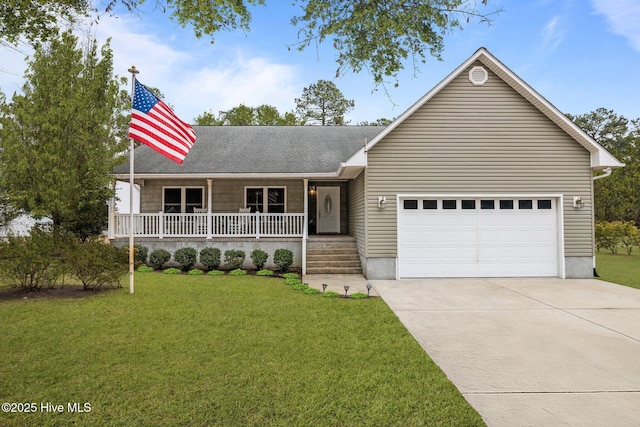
(211, 225)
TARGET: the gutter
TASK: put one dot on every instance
(607, 172)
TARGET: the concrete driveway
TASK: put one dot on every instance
(530, 352)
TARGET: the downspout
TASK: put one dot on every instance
(607, 172)
(305, 226)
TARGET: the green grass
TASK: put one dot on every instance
(229, 351)
(619, 268)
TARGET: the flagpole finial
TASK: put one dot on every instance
(133, 70)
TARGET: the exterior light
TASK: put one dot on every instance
(382, 202)
(324, 287)
(368, 289)
(346, 289)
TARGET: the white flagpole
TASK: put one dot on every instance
(133, 72)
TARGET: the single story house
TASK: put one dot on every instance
(481, 177)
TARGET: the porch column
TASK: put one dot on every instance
(112, 212)
(209, 206)
(305, 226)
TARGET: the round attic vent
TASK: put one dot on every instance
(478, 76)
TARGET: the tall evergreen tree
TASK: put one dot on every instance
(61, 136)
(322, 103)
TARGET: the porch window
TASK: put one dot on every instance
(182, 199)
(266, 199)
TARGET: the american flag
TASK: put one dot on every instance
(153, 123)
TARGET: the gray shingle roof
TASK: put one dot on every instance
(260, 149)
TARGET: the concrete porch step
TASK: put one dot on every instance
(333, 270)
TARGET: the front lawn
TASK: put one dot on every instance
(619, 268)
(229, 351)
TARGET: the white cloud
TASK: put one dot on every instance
(552, 34)
(623, 17)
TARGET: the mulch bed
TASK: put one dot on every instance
(66, 292)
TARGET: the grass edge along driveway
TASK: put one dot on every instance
(187, 350)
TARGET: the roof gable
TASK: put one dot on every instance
(600, 157)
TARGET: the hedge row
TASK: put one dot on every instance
(210, 258)
(617, 234)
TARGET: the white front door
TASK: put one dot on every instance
(328, 210)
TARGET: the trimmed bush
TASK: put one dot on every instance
(311, 291)
(283, 258)
(159, 258)
(215, 273)
(290, 276)
(144, 269)
(233, 259)
(331, 294)
(359, 295)
(186, 257)
(264, 273)
(259, 258)
(172, 271)
(210, 258)
(238, 272)
(141, 254)
(195, 272)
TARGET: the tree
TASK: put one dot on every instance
(61, 138)
(617, 197)
(376, 36)
(323, 104)
(242, 115)
(380, 122)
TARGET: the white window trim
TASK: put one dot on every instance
(183, 194)
(265, 190)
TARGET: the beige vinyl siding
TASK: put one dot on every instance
(356, 211)
(227, 195)
(477, 139)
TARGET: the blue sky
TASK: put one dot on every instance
(579, 54)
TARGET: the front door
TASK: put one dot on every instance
(328, 210)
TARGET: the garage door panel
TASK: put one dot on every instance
(478, 242)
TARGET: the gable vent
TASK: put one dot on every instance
(478, 76)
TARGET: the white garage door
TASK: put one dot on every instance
(477, 237)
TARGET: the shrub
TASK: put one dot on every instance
(359, 295)
(158, 258)
(186, 257)
(144, 269)
(210, 258)
(292, 281)
(215, 273)
(233, 259)
(300, 287)
(311, 291)
(283, 258)
(32, 262)
(141, 254)
(195, 272)
(95, 263)
(264, 273)
(331, 294)
(611, 235)
(172, 271)
(259, 258)
(290, 276)
(238, 272)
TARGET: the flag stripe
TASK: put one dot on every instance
(153, 123)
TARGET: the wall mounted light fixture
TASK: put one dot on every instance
(382, 202)
(577, 202)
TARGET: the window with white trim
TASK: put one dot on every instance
(182, 199)
(266, 199)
